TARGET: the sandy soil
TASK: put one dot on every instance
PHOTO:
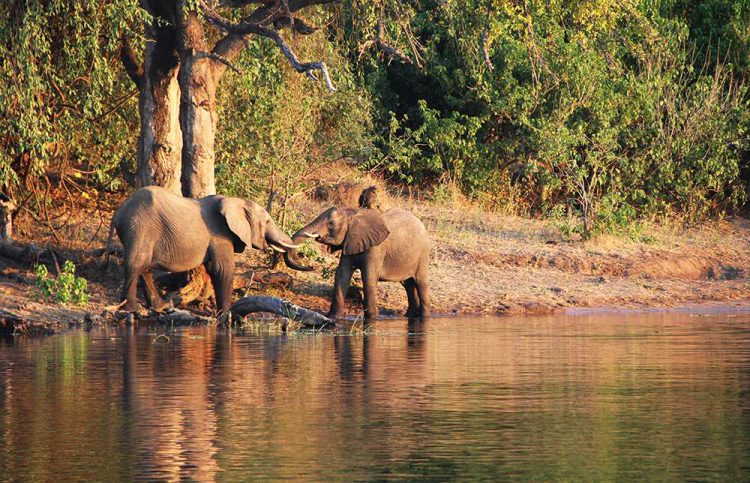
(482, 263)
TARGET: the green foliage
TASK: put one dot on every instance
(614, 111)
(58, 81)
(65, 289)
(279, 129)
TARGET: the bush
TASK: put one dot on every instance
(607, 109)
(66, 289)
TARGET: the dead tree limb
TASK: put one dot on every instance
(382, 45)
(219, 58)
(486, 49)
(387, 48)
(256, 27)
(133, 67)
(280, 307)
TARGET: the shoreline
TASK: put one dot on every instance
(71, 318)
(482, 264)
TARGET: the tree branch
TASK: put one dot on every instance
(218, 58)
(245, 28)
(387, 48)
(296, 24)
(384, 46)
(270, 11)
(486, 49)
(133, 67)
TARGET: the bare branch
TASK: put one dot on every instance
(296, 24)
(133, 67)
(270, 11)
(287, 12)
(218, 58)
(387, 48)
(245, 28)
(383, 46)
(486, 49)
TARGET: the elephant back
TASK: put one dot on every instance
(405, 227)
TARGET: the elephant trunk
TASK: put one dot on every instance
(276, 237)
(311, 230)
(314, 230)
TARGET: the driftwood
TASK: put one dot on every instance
(280, 307)
(186, 287)
(241, 308)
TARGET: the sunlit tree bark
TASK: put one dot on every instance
(179, 77)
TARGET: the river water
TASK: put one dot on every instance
(597, 397)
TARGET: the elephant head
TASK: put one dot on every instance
(350, 230)
(252, 225)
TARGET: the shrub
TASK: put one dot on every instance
(67, 288)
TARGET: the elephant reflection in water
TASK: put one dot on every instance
(170, 413)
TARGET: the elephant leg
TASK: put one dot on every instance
(152, 293)
(423, 288)
(221, 271)
(341, 283)
(410, 285)
(370, 282)
(132, 271)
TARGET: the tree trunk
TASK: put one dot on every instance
(197, 107)
(160, 140)
(7, 207)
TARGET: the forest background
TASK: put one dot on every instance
(605, 112)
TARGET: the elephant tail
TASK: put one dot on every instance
(108, 247)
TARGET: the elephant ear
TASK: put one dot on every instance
(366, 230)
(239, 222)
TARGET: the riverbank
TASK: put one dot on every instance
(482, 263)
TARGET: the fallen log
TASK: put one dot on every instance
(197, 286)
(282, 308)
(181, 317)
(31, 254)
(246, 305)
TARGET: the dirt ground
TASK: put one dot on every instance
(482, 263)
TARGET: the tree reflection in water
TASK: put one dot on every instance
(599, 397)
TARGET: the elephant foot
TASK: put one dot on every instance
(132, 306)
(334, 314)
(160, 305)
(372, 314)
(424, 313)
(412, 313)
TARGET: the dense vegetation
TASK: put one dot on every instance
(608, 111)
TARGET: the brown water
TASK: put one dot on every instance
(578, 398)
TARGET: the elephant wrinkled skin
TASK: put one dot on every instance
(391, 246)
(162, 230)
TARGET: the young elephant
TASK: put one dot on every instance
(391, 246)
(162, 230)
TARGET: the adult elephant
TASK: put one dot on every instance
(390, 246)
(162, 230)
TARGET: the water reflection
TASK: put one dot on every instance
(658, 396)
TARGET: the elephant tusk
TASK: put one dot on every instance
(287, 245)
(276, 249)
(310, 235)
